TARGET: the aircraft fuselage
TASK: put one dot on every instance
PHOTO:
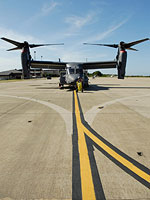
(73, 72)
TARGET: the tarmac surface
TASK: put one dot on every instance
(57, 144)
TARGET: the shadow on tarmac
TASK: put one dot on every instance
(97, 87)
(92, 87)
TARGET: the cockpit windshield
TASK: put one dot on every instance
(71, 71)
(79, 71)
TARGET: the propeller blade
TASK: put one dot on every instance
(21, 45)
(39, 45)
(122, 44)
(132, 49)
(16, 48)
(12, 41)
(107, 45)
(128, 45)
(90, 44)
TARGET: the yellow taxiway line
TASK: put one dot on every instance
(87, 185)
(119, 158)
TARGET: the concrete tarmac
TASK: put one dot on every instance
(37, 155)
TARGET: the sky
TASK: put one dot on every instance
(74, 22)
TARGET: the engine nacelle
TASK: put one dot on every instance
(122, 59)
(25, 59)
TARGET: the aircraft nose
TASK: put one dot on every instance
(73, 78)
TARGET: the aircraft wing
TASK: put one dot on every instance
(99, 65)
(47, 64)
(62, 65)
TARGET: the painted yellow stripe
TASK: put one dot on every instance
(119, 158)
(87, 185)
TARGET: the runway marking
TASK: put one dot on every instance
(87, 185)
(119, 158)
(91, 114)
(132, 167)
(65, 114)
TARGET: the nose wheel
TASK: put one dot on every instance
(61, 86)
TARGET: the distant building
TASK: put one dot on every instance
(51, 72)
(17, 74)
(10, 74)
(36, 73)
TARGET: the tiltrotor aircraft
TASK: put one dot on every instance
(73, 70)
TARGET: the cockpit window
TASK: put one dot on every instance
(79, 71)
(71, 71)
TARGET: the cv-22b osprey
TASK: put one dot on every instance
(73, 70)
